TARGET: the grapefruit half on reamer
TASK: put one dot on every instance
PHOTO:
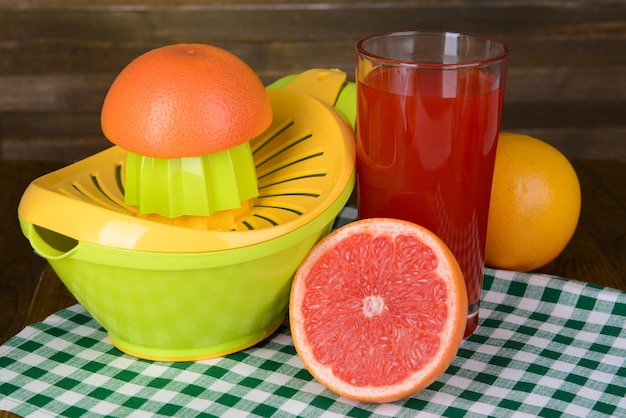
(378, 309)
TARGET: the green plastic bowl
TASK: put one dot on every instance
(190, 288)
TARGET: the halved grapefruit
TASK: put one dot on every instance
(378, 309)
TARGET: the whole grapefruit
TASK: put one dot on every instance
(535, 204)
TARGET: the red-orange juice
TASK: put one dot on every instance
(426, 143)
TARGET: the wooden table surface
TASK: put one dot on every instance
(30, 290)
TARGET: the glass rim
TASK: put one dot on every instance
(360, 48)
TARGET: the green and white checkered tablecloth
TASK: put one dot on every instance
(545, 346)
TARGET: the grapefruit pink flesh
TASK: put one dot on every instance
(378, 310)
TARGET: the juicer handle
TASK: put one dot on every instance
(328, 86)
(48, 244)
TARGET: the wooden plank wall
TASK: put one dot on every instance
(566, 80)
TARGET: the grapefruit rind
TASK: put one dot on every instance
(185, 100)
(450, 337)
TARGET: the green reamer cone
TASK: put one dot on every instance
(195, 186)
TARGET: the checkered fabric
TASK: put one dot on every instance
(545, 346)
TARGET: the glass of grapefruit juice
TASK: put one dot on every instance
(428, 118)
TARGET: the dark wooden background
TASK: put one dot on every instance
(566, 84)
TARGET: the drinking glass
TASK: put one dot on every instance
(428, 118)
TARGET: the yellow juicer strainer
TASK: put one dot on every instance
(195, 287)
(303, 163)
